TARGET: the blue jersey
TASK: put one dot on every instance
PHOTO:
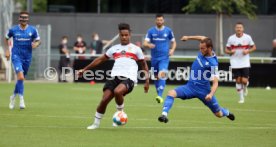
(203, 69)
(22, 40)
(161, 38)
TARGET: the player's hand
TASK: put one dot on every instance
(171, 52)
(245, 52)
(184, 38)
(80, 73)
(35, 44)
(8, 54)
(208, 97)
(146, 86)
(232, 52)
(151, 46)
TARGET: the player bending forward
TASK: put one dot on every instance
(204, 69)
(124, 73)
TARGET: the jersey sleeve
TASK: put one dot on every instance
(109, 53)
(228, 44)
(140, 54)
(9, 34)
(148, 36)
(36, 35)
(214, 70)
(171, 36)
(251, 42)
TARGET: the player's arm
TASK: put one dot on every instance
(36, 43)
(93, 64)
(144, 66)
(6, 43)
(228, 49)
(213, 89)
(186, 38)
(252, 49)
(173, 46)
(7, 51)
(147, 43)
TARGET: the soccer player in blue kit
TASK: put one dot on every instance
(161, 41)
(204, 69)
(25, 38)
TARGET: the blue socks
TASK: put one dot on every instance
(19, 87)
(168, 105)
(225, 112)
(160, 86)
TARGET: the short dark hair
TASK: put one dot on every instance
(159, 15)
(24, 12)
(64, 37)
(239, 23)
(123, 26)
(208, 42)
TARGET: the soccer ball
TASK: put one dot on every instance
(120, 118)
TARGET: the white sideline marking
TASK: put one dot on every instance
(126, 127)
(139, 119)
(204, 107)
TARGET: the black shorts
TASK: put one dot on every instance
(240, 72)
(112, 84)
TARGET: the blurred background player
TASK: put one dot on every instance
(198, 85)
(124, 72)
(25, 38)
(239, 46)
(97, 44)
(64, 60)
(80, 47)
(161, 41)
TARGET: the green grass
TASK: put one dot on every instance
(57, 116)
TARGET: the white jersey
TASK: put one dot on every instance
(125, 57)
(238, 59)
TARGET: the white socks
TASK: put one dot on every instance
(21, 97)
(98, 117)
(165, 113)
(120, 107)
(239, 88)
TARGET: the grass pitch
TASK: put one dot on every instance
(57, 115)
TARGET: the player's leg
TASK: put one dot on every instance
(17, 65)
(106, 98)
(155, 71)
(125, 87)
(163, 69)
(218, 111)
(21, 76)
(183, 92)
(237, 75)
(244, 80)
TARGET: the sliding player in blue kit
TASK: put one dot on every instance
(161, 41)
(25, 38)
(204, 69)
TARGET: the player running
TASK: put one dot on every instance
(239, 46)
(159, 39)
(204, 69)
(124, 72)
(25, 39)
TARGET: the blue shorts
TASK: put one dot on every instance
(21, 65)
(189, 91)
(159, 65)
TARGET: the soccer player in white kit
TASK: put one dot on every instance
(124, 73)
(239, 46)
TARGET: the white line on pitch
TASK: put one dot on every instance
(126, 127)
